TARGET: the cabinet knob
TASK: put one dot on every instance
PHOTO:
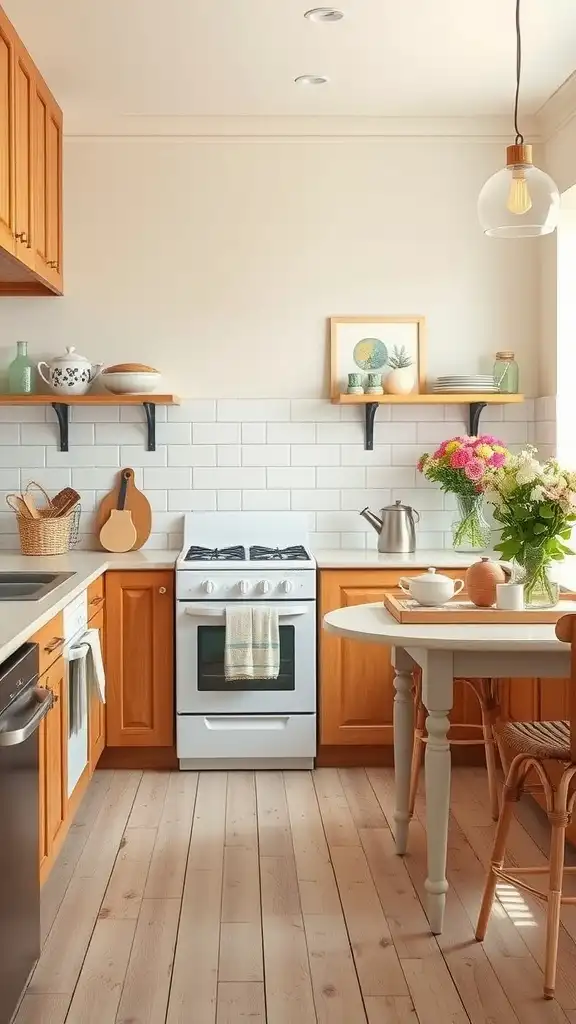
(21, 236)
(53, 264)
(161, 590)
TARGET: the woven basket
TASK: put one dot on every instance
(46, 535)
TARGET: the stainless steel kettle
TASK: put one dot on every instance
(396, 528)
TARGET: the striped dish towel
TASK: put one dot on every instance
(252, 645)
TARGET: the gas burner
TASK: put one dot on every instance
(296, 553)
(199, 554)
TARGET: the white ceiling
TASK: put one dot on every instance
(421, 58)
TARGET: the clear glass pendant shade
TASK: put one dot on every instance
(519, 201)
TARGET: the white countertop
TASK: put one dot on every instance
(351, 558)
(19, 620)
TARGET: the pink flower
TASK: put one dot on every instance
(474, 470)
(497, 459)
(489, 439)
(460, 458)
(441, 450)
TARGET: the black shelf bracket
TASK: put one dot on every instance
(475, 410)
(150, 410)
(62, 415)
(370, 409)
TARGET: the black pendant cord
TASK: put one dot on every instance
(519, 136)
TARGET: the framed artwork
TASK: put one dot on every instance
(364, 344)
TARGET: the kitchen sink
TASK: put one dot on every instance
(30, 586)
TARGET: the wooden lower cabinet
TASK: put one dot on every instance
(53, 751)
(139, 616)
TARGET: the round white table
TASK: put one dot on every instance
(444, 653)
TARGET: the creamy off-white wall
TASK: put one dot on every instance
(219, 260)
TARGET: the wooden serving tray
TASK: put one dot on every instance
(461, 610)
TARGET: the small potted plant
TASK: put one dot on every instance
(400, 380)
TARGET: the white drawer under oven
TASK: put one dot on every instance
(245, 738)
(200, 684)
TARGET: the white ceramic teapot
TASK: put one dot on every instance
(71, 373)
(431, 588)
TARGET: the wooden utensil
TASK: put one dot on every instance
(31, 505)
(63, 503)
(119, 532)
(136, 502)
(16, 503)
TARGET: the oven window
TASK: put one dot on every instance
(211, 662)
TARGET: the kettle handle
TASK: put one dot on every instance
(402, 581)
(39, 368)
(416, 514)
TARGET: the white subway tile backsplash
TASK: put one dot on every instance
(315, 455)
(292, 476)
(341, 476)
(291, 433)
(545, 432)
(228, 455)
(228, 501)
(315, 499)
(8, 521)
(356, 455)
(246, 477)
(262, 455)
(216, 433)
(17, 455)
(191, 501)
(195, 410)
(255, 409)
(167, 478)
(266, 455)
(253, 433)
(266, 501)
(192, 455)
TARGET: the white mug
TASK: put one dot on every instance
(510, 597)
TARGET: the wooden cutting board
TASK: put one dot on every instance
(136, 502)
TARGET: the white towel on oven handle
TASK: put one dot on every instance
(78, 704)
(95, 674)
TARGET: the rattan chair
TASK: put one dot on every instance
(549, 749)
(486, 693)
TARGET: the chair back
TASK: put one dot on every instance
(566, 631)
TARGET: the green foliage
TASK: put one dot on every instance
(400, 360)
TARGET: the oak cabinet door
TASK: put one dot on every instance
(96, 710)
(47, 127)
(56, 753)
(24, 157)
(139, 617)
(7, 55)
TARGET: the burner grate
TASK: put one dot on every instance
(295, 553)
(199, 554)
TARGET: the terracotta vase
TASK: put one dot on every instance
(481, 580)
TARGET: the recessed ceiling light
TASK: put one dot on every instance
(311, 80)
(324, 14)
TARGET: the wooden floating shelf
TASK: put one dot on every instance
(476, 402)
(61, 405)
(434, 399)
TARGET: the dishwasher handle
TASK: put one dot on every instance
(22, 725)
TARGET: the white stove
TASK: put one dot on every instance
(249, 557)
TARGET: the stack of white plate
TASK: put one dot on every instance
(463, 383)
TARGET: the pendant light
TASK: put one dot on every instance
(520, 200)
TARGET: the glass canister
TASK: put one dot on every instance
(506, 373)
(21, 372)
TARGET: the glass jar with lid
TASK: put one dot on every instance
(506, 373)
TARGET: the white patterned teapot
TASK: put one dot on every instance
(71, 373)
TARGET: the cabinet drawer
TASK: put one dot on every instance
(50, 640)
(246, 736)
(95, 597)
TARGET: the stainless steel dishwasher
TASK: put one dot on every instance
(23, 705)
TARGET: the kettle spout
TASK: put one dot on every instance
(374, 521)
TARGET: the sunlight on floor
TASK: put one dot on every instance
(515, 905)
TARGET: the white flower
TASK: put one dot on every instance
(528, 472)
(538, 493)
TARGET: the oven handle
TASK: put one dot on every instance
(218, 613)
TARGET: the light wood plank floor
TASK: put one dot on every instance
(277, 898)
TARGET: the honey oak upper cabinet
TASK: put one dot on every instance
(139, 618)
(30, 174)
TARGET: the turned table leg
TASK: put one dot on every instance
(403, 743)
(437, 694)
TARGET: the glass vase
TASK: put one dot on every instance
(21, 372)
(533, 570)
(471, 531)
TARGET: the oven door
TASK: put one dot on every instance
(200, 682)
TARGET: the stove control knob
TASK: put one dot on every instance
(265, 586)
(209, 586)
(287, 586)
(244, 586)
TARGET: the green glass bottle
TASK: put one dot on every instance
(21, 372)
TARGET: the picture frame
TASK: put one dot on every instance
(378, 335)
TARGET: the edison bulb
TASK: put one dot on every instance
(519, 199)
